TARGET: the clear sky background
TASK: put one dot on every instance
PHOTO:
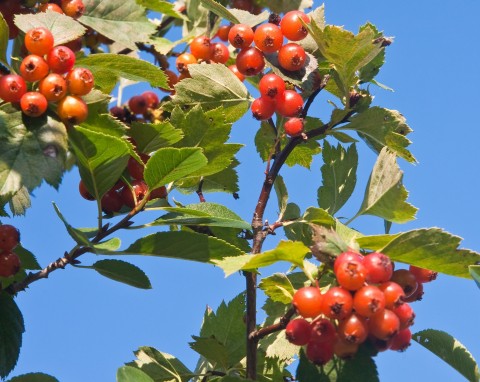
(81, 326)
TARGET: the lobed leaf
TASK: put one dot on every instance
(27, 258)
(150, 137)
(33, 377)
(248, 18)
(123, 272)
(278, 287)
(132, 374)
(11, 331)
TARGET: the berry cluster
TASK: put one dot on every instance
(50, 70)
(370, 303)
(72, 8)
(9, 260)
(144, 105)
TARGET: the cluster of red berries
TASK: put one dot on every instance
(143, 105)
(9, 260)
(50, 70)
(370, 303)
(72, 8)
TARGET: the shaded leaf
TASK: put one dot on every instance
(27, 258)
(11, 330)
(282, 195)
(150, 137)
(475, 273)
(20, 202)
(360, 368)
(308, 372)
(212, 350)
(132, 374)
(298, 77)
(339, 175)
(33, 377)
(220, 10)
(123, 272)
(450, 350)
(283, 6)
(3, 41)
(63, 28)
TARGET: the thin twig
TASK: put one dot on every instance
(257, 335)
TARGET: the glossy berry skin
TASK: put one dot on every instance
(53, 87)
(351, 275)
(184, 60)
(406, 280)
(319, 353)
(401, 340)
(263, 108)
(111, 202)
(250, 62)
(33, 104)
(423, 275)
(233, 68)
(33, 68)
(9, 237)
(394, 294)
(82, 189)
(289, 104)
(292, 57)
(152, 99)
(292, 27)
(201, 48)
(298, 331)
(39, 41)
(294, 127)
(139, 188)
(346, 256)
(384, 324)
(337, 303)
(12, 88)
(344, 350)
(72, 109)
(80, 81)
(323, 331)
(136, 169)
(9, 264)
(405, 314)
(220, 53)
(50, 7)
(368, 300)
(138, 104)
(222, 32)
(73, 8)
(308, 301)
(271, 86)
(379, 267)
(60, 59)
(353, 329)
(240, 36)
(268, 38)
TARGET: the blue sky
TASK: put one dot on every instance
(81, 326)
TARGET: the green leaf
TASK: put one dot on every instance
(318, 216)
(430, 248)
(63, 28)
(171, 164)
(265, 139)
(29, 155)
(180, 245)
(161, 366)
(283, 6)
(220, 10)
(132, 374)
(3, 41)
(161, 6)
(125, 24)
(109, 68)
(303, 154)
(360, 368)
(277, 346)
(308, 372)
(11, 330)
(278, 287)
(248, 18)
(318, 14)
(123, 272)
(339, 175)
(212, 350)
(108, 245)
(369, 71)
(20, 202)
(327, 243)
(33, 377)
(450, 350)
(382, 127)
(75, 234)
(475, 273)
(27, 258)
(203, 214)
(213, 86)
(291, 251)
(299, 77)
(385, 195)
(151, 137)
(101, 159)
(105, 124)
(282, 195)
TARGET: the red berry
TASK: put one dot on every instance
(241, 36)
(118, 112)
(111, 202)
(337, 303)
(415, 296)
(292, 27)
(423, 275)
(172, 79)
(323, 331)
(220, 53)
(401, 340)
(131, 197)
(368, 300)
(9, 264)
(263, 108)
(84, 192)
(308, 301)
(9, 237)
(184, 60)
(33, 104)
(53, 87)
(351, 275)
(138, 104)
(292, 57)
(405, 314)
(268, 38)
(152, 99)
(346, 256)
(159, 193)
(235, 71)
(379, 267)
(12, 87)
(293, 127)
(344, 349)
(72, 109)
(289, 104)
(222, 32)
(75, 45)
(244, 5)
(136, 169)
(384, 324)
(353, 329)
(73, 8)
(50, 7)
(250, 61)
(394, 294)
(271, 86)
(60, 59)
(319, 353)
(201, 48)
(298, 331)
(406, 280)
(39, 41)
(33, 68)
(80, 81)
